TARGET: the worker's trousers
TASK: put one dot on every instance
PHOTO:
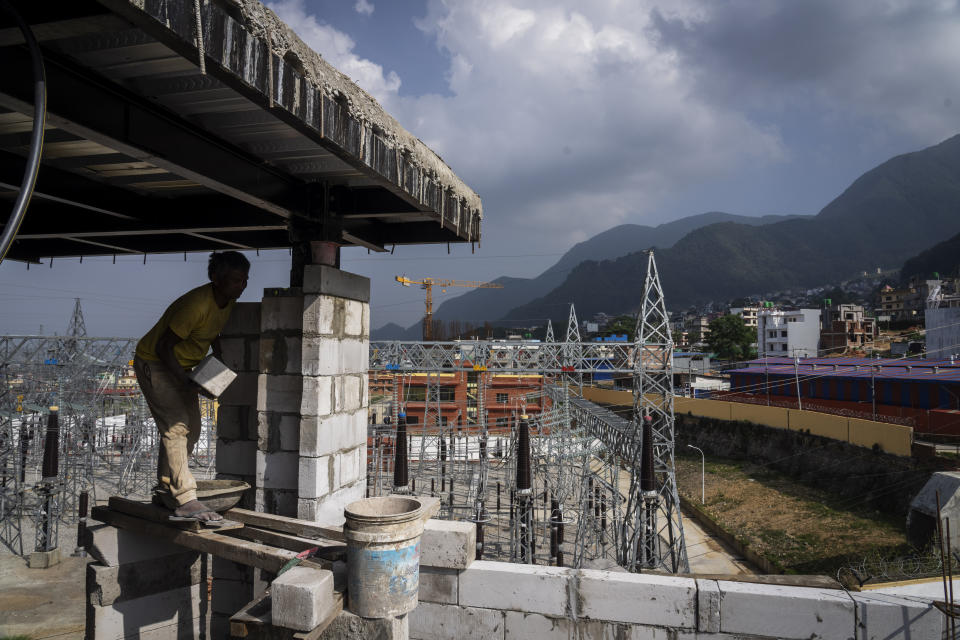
(176, 410)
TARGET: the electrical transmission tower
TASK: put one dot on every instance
(573, 338)
(653, 505)
(549, 337)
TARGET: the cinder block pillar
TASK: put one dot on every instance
(333, 409)
(279, 393)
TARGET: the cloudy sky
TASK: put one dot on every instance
(571, 117)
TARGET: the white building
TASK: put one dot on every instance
(749, 314)
(788, 333)
(943, 332)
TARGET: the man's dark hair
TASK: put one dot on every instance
(225, 261)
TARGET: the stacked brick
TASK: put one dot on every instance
(143, 587)
(333, 410)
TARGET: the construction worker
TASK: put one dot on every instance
(164, 358)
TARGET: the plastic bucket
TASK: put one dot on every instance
(383, 555)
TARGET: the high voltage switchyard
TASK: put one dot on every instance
(573, 485)
(74, 428)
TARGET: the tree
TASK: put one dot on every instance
(624, 324)
(730, 338)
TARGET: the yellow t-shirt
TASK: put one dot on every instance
(196, 318)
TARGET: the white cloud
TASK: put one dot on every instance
(569, 117)
(364, 7)
(338, 49)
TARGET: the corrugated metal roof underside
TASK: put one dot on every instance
(144, 154)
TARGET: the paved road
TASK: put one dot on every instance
(707, 555)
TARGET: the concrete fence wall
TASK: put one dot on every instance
(501, 601)
(891, 438)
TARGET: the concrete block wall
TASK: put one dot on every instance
(141, 587)
(238, 435)
(494, 600)
(335, 317)
(279, 392)
(237, 425)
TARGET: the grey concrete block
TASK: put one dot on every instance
(430, 621)
(318, 315)
(170, 614)
(322, 279)
(111, 546)
(353, 318)
(320, 356)
(348, 626)
(280, 353)
(302, 598)
(324, 435)
(242, 391)
(244, 320)
(277, 470)
(278, 431)
(281, 502)
(516, 587)
(314, 477)
(801, 612)
(646, 599)
(280, 393)
(236, 456)
(106, 584)
(882, 616)
(708, 606)
(448, 544)
(282, 312)
(317, 398)
(237, 422)
(438, 585)
(43, 559)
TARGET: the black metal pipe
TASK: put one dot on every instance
(36, 136)
(401, 475)
(51, 446)
(523, 455)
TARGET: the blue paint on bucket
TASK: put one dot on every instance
(390, 577)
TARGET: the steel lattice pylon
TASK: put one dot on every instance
(653, 504)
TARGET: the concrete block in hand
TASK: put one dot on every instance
(302, 598)
(213, 376)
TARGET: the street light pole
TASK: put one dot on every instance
(796, 373)
(703, 474)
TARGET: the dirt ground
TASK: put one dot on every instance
(799, 529)
(42, 603)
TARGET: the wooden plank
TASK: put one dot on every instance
(308, 529)
(155, 513)
(301, 528)
(207, 541)
(329, 549)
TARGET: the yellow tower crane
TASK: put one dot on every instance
(429, 283)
